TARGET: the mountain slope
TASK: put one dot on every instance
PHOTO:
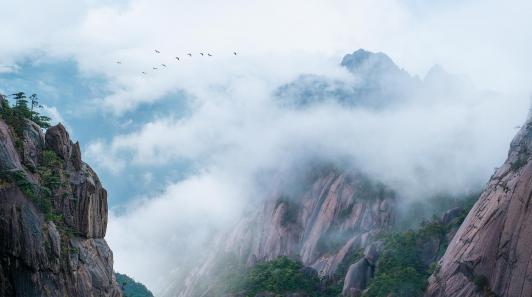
(491, 254)
(334, 216)
(53, 215)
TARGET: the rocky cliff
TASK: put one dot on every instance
(336, 221)
(333, 217)
(53, 216)
(491, 254)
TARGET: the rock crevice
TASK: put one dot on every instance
(53, 214)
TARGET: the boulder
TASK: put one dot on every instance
(58, 140)
(357, 277)
(9, 157)
(32, 145)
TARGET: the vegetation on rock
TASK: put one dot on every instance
(131, 288)
(280, 276)
(401, 271)
(16, 115)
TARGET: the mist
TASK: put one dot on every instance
(248, 120)
(436, 138)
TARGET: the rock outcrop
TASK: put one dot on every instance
(53, 217)
(491, 253)
(335, 215)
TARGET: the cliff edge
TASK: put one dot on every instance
(53, 215)
(491, 253)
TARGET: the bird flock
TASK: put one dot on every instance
(154, 68)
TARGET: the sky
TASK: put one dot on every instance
(179, 148)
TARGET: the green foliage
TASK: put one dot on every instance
(290, 212)
(279, 276)
(42, 195)
(131, 288)
(50, 172)
(518, 164)
(19, 178)
(401, 282)
(16, 115)
(481, 282)
(400, 270)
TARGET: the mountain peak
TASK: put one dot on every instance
(364, 61)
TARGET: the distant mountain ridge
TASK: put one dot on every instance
(378, 84)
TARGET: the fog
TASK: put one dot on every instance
(439, 138)
(442, 136)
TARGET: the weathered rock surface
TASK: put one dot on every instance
(357, 277)
(334, 215)
(9, 158)
(491, 253)
(64, 256)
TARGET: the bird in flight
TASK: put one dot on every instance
(164, 65)
(144, 73)
(189, 54)
(155, 68)
(118, 62)
(209, 55)
(158, 52)
(177, 58)
(201, 54)
(234, 53)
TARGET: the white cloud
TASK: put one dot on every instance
(426, 145)
(153, 235)
(234, 130)
(98, 152)
(489, 38)
(8, 68)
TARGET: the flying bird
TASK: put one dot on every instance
(155, 68)
(201, 54)
(118, 62)
(158, 52)
(164, 65)
(144, 73)
(189, 54)
(177, 58)
(209, 55)
(234, 53)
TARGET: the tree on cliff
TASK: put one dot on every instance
(17, 114)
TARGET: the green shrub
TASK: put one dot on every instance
(481, 282)
(399, 281)
(16, 115)
(42, 195)
(518, 164)
(400, 271)
(290, 213)
(279, 276)
(131, 288)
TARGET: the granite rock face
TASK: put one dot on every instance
(491, 253)
(333, 216)
(57, 250)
